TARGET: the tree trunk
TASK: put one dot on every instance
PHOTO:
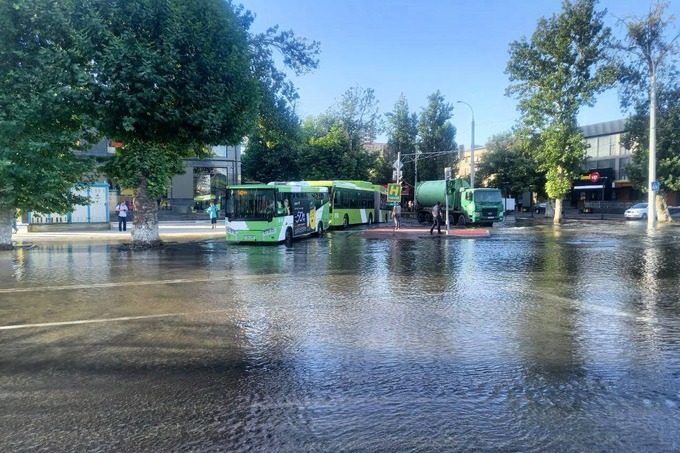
(662, 208)
(145, 220)
(557, 218)
(6, 217)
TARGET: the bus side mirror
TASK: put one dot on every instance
(269, 217)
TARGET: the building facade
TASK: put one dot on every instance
(203, 180)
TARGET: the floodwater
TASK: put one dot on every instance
(534, 339)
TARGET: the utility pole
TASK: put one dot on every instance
(472, 146)
(653, 184)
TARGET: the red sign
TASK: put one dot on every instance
(594, 177)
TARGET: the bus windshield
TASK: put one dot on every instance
(488, 196)
(245, 203)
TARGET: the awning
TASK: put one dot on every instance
(587, 187)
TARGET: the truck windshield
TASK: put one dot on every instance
(250, 203)
(488, 196)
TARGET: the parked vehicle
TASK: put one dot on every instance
(540, 207)
(637, 211)
(478, 206)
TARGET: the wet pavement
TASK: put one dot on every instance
(535, 338)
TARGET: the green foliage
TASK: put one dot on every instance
(168, 79)
(562, 68)
(437, 138)
(507, 165)
(264, 163)
(328, 156)
(272, 147)
(43, 106)
(402, 137)
(648, 48)
(358, 116)
(667, 145)
(174, 72)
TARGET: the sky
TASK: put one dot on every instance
(417, 47)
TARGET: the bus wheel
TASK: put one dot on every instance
(461, 220)
(319, 229)
(345, 221)
(370, 219)
(289, 237)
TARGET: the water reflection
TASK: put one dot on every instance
(532, 339)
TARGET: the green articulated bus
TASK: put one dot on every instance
(354, 202)
(275, 212)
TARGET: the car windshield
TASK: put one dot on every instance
(488, 196)
(243, 203)
(639, 206)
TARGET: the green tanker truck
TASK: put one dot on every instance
(479, 206)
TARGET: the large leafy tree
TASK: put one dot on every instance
(507, 165)
(169, 79)
(562, 68)
(402, 127)
(43, 115)
(271, 153)
(437, 139)
(358, 116)
(326, 153)
(667, 146)
(647, 68)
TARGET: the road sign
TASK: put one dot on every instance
(398, 165)
(393, 193)
(655, 186)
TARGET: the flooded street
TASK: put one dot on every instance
(533, 339)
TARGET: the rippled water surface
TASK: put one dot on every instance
(534, 339)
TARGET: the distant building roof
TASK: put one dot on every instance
(607, 128)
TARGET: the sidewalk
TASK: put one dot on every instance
(169, 231)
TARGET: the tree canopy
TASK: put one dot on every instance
(647, 67)
(44, 114)
(437, 138)
(507, 165)
(562, 68)
(402, 127)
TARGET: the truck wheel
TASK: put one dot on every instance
(289, 237)
(461, 220)
(421, 217)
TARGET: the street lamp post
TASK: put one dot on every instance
(472, 146)
(602, 200)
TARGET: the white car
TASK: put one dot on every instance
(637, 211)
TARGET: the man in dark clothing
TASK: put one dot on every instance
(437, 217)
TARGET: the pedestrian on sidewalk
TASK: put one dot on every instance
(122, 210)
(437, 217)
(396, 215)
(212, 212)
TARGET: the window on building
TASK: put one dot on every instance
(592, 147)
(622, 167)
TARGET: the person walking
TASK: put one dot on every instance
(396, 215)
(437, 217)
(212, 212)
(122, 211)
